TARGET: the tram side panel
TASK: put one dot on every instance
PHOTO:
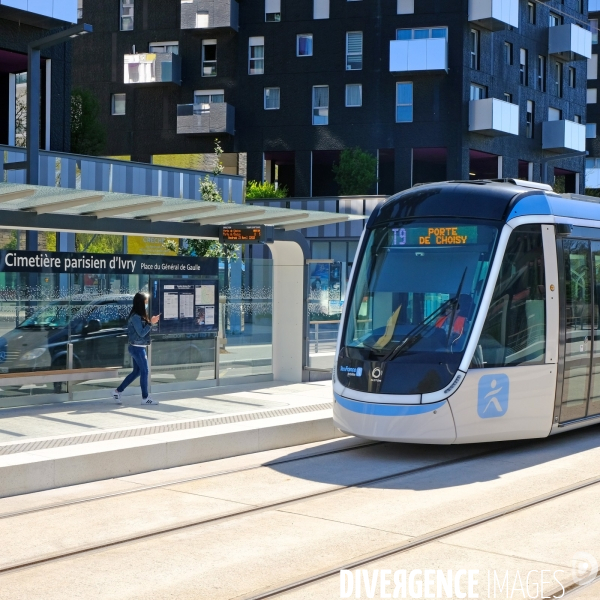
(515, 400)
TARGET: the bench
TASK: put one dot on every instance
(58, 376)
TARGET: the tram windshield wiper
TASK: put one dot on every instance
(455, 307)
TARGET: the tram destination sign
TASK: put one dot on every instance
(258, 234)
(445, 235)
(22, 261)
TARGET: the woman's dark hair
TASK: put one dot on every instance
(139, 307)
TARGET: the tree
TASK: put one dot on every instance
(357, 172)
(255, 189)
(210, 193)
(88, 135)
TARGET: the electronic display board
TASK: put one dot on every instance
(245, 235)
(418, 236)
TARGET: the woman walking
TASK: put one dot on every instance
(138, 332)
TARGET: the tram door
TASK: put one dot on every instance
(581, 380)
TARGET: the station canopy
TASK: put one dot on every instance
(62, 209)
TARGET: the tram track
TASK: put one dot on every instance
(224, 517)
(146, 488)
(425, 539)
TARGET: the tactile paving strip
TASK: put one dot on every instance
(115, 434)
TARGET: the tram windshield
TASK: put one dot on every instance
(416, 296)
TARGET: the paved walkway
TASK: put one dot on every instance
(83, 422)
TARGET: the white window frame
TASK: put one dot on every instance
(320, 108)
(590, 131)
(304, 35)
(279, 99)
(211, 94)
(592, 67)
(405, 7)
(481, 89)
(554, 114)
(321, 9)
(129, 5)
(474, 41)
(359, 86)
(430, 31)
(411, 104)
(113, 97)
(541, 75)
(204, 61)
(256, 42)
(202, 19)
(592, 96)
(174, 47)
(354, 53)
(273, 8)
(530, 126)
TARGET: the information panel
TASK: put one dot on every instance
(433, 236)
(245, 235)
(186, 306)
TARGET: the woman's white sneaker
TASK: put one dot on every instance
(149, 400)
(117, 397)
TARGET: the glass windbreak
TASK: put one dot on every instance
(415, 300)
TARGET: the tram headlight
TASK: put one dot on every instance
(33, 354)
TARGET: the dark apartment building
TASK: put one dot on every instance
(592, 175)
(21, 22)
(437, 89)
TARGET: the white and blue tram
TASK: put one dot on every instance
(472, 315)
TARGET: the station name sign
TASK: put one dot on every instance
(258, 234)
(21, 261)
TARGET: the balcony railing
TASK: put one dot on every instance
(493, 117)
(205, 119)
(494, 14)
(563, 136)
(160, 67)
(408, 56)
(570, 42)
(210, 14)
(45, 13)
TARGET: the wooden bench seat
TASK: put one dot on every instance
(58, 376)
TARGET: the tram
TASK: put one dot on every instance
(472, 315)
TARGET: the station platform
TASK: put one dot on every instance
(55, 445)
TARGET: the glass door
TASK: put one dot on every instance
(578, 335)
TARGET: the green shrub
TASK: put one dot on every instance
(357, 172)
(255, 189)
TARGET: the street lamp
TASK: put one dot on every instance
(33, 94)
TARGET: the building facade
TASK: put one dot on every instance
(592, 175)
(21, 22)
(447, 89)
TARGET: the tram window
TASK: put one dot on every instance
(514, 332)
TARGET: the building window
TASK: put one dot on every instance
(256, 56)
(405, 7)
(592, 95)
(559, 77)
(321, 9)
(126, 15)
(304, 44)
(590, 131)
(592, 67)
(209, 97)
(80, 9)
(555, 20)
(320, 105)
(529, 119)
(523, 70)
(421, 34)
(117, 102)
(474, 37)
(572, 77)
(531, 13)
(354, 95)
(354, 50)
(507, 97)
(594, 28)
(272, 96)
(209, 58)
(577, 119)
(508, 53)
(541, 74)
(477, 92)
(404, 102)
(579, 6)
(202, 19)
(272, 11)
(554, 114)
(162, 47)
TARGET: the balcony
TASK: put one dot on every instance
(493, 117)
(210, 14)
(570, 42)
(205, 119)
(160, 67)
(563, 136)
(408, 56)
(494, 15)
(46, 14)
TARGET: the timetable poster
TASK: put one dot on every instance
(185, 306)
